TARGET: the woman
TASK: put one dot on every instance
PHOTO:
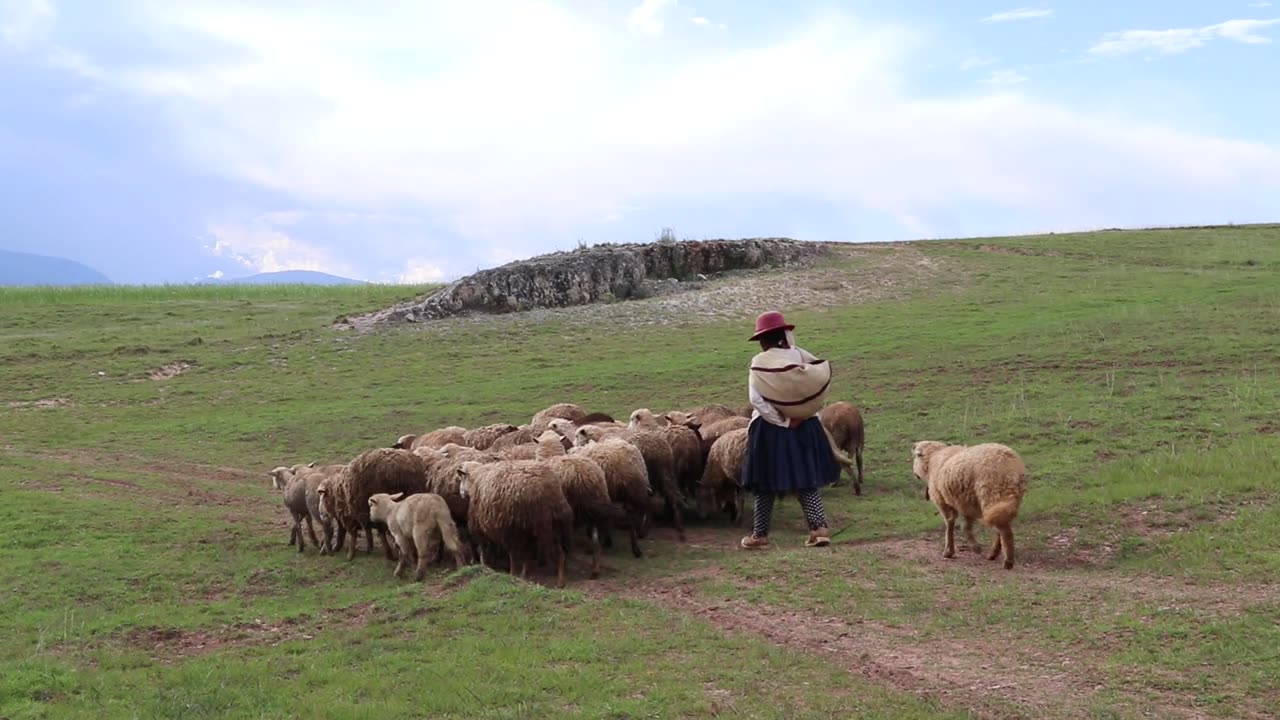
(787, 449)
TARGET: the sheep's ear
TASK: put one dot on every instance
(311, 464)
(397, 496)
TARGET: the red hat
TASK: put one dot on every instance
(771, 320)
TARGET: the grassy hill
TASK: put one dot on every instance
(147, 574)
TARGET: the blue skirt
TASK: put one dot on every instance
(783, 460)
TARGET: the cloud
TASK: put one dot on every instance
(261, 247)
(1259, 4)
(971, 63)
(420, 272)
(647, 16)
(1005, 77)
(1018, 14)
(216, 275)
(1172, 42)
(24, 21)
(699, 20)
(519, 127)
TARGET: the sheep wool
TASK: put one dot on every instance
(843, 422)
(519, 508)
(983, 482)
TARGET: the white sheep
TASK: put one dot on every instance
(419, 524)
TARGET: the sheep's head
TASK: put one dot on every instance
(921, 453)
(466, 478)
(582, 437)
(280, 477)
(688, 420)
(562, 427)
(381, 505)
(644, 418)
(404, 443)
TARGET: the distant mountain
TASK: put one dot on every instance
(26, 269)
(288, 277)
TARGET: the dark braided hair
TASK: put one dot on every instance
(774, 339)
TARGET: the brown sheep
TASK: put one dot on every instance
(711, 433)
(483, 438)
(843, 422)
(435, 438)
(315, 476)
(984, 482)
(658, 459)
(517, 507)
(294, 486)
(708, 414)
(550, 444)
(587, 491)
(379, 470)
(627, 481)
(566, 411)
(596, 419)
(522, 436)
(721, 486)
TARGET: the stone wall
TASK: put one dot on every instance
(594, 274)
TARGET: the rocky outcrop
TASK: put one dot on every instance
(601, 273)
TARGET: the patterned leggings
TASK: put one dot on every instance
(810, 502)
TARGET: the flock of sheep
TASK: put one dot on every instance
(510, 495)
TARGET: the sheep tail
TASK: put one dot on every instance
(840, 457)
(1001, 512)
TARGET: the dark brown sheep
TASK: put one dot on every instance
(381, 470)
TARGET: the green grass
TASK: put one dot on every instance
(1136, 372)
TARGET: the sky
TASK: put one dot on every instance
(420, 140)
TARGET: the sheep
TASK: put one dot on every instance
(517, 506)
(585, 487)
(435, 438)
(984, 482)
(627, 481)
(843, 422)
(721, 485)
(712, 432)
(378, 470)
(522, 436)
(658, 459)
(681, 432)
(295, 500)
(419, 524)
(483, 438)
(567, 411)
(597, 419)
(709, 414)
(549, 444)
(314, 476)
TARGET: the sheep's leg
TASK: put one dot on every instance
(511, 559)
(355, 540)
(403, 561)
(293, 534)
(595, 555)
(1006, 539)
(950, 516)
(368, 534)
(635, 541)
(995, 548)
(968, 535)
(560, 564)
(427, 544)
(340, 539)
(312, 529)
(386, 546)
(327, 547)
(857, 484)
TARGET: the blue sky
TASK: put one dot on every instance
(166, 141)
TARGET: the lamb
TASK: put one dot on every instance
(517, 506)
(435, 438)
(418, 523)
(843, 422)
(585, 487)
(627, 482)
(658, 459)
(483, 438)
(346, 496)
(721, 486)
(984, 482)
(566, 411)
(295, 500)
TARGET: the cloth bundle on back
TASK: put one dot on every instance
(788, 451)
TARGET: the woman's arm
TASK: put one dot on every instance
(765, 409)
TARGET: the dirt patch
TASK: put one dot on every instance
(950, 671)
(169, 644)
(172, 370)
(43, 404)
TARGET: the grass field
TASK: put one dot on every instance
(146, 572)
